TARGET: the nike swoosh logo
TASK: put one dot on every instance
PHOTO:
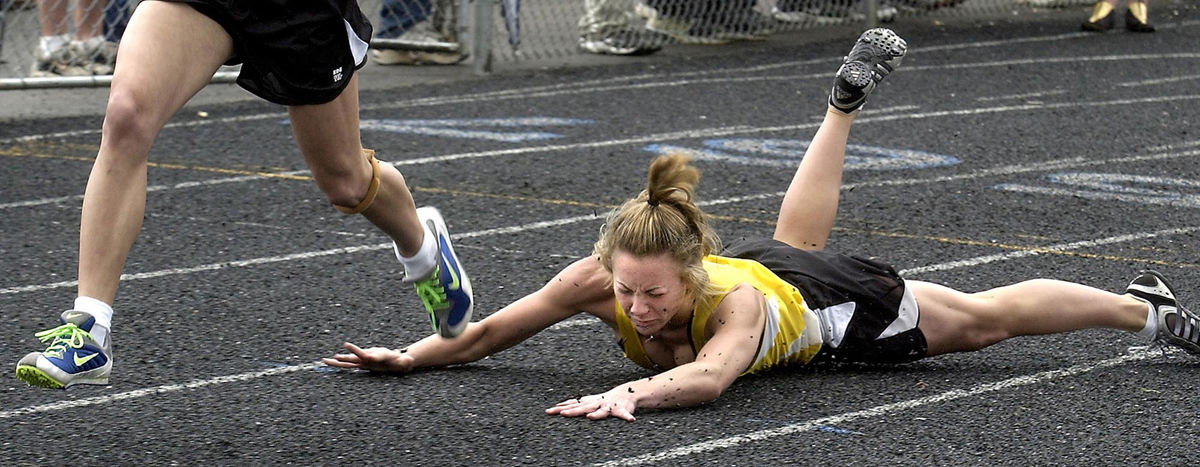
(80, 361)
(452, 267)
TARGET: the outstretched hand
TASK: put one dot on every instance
(614, 403)
(381, 359)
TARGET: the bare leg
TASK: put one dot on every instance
(954, 321)
(89, 19)
(52, 14)
(811, 202)
(328, 136)
(162, 65)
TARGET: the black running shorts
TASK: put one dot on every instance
(867, 296)
(292, 53)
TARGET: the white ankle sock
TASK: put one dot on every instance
(99, 310)
(49, 44)
(421, 264)
(1151, 328)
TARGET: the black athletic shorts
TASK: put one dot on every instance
(866, 314)
(292, 52)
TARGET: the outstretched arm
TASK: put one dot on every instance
(686, 385)
(578, 287)
(736, 327)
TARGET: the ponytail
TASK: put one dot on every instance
(664, 218)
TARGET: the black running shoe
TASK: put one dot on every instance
(623, 42)
(877, 52)
(1102, 18)
(1176, 325)
(1137, 19)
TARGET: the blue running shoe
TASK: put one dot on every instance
(1177, 325)
(877, 52)
(446, 292)
(73, 356)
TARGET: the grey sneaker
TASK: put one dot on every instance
(623, 42)
(78, 60)
(73, 356)
(103, 58)
(52, 64)
(877, 52)
(421, 33)
(1176, 325)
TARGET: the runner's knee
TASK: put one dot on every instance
(348, 192)
(128, 120)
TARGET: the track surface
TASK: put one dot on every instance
(999, 151)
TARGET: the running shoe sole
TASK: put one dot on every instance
(1156, 289)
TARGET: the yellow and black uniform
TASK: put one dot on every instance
(292, 53)
(820, 306)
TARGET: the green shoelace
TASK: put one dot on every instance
(62, 337)
(431, 292)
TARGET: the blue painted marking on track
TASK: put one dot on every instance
(834, 429)
(475, 128)
(786, 153)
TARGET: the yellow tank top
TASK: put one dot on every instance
(791, 333)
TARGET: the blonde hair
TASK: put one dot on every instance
(664, 218)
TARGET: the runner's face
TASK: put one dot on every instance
(649, 289)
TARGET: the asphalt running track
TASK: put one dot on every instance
(1001, 150)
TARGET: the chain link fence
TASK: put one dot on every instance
(554, 28)
(50, 43)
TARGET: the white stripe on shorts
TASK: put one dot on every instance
(358, 48)
(907, 319)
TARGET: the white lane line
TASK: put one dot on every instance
(878, 411)
(1060, 164)
(1175, 146)
(1151, 82)
(1047, 249)
(96, 131)
(149, 189)
(1027, 95)
(688, 449)
(89, 401)
(40, 202)
(1048, 60)
(572, 323)
(206, 267)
